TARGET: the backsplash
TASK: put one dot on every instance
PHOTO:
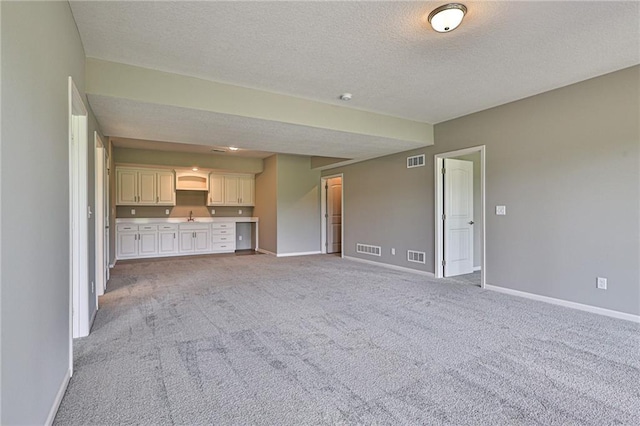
(186, 201)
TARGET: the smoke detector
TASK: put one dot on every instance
(346, 97)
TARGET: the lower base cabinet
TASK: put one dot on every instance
(172, 239)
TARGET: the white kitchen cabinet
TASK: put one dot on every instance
(239, 190)
(136, 241)
(145, 187)
(194, 238)
(127, 244)
(223, 237)
(167, 239)
(216, 190)
(147, 240)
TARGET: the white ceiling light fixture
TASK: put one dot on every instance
(447, 17)
(233, 148)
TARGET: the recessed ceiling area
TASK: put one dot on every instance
(185, 147)
(385, 53)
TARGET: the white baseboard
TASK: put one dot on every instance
(566, 303)
(259, 250)
(477, 268)
(58, 400)
(302, 253)
(386, 265)
(113, 265)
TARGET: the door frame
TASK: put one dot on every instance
(323, 212)
(101, 180)
(78, 221)
(439, 209)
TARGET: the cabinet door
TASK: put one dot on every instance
(186, 241)
(201, 241)
(166, 188)
(168, 243)
(246, 185)
(147, 187)
(127, 245)
(216, 190)
(231, 196)
(148, 243)
(126, 183)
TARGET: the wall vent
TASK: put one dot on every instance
(368, 249)
(415, 161)
(415, 256)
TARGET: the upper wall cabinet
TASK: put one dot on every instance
(145, 187)
(231, 190)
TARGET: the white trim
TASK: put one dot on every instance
(301, 253)
(477, 268)
(113, 265)
(259, 250)
(388, 266)
(99, 229)
(438, 180)
(565, 303)
(56, 402)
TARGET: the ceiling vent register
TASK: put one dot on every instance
(368, 249)
(415, 161)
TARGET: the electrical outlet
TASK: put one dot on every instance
(601, 283)
(213, 211)
(133, 212)
(501, 210)
(239, 237)
(166, 211)
(239, 211)
(393, 251)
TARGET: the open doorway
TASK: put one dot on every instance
(332, 215)
(102, 216)
(460, 215)
(78, 219)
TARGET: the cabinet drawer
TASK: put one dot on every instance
(223, 247)
(147, 227)
(223, 232)
(194, 226)
(127, 228)
(167, 227)
(223, 238)
(223, 225)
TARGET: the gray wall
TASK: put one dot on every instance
(298, 205)
(388, 205)
(266, 208)
(40, 49)
(566, 165)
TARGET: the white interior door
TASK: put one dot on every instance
(99, 224)
(106, 219)
(334, 215)
(458, 220)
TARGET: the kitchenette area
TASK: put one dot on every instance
(166, 211)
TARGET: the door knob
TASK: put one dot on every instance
(471, 223)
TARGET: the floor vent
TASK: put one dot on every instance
(415, 161)
(415, 256)
(368, 249)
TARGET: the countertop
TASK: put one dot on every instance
(144, 220)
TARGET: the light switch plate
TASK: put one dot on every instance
(166, 211)
(393, 251)
(501, 210)
(239, 237)
(133, 212)
(213, 211)
(239, 211)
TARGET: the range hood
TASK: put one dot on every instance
(189, 180)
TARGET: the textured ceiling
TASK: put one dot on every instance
(184, 147)
(382, 52)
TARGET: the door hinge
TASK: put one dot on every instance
(443, 170)
(444, 262)
(444, 217)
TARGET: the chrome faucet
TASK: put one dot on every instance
(191, 219)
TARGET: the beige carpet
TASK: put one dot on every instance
(321, 340)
